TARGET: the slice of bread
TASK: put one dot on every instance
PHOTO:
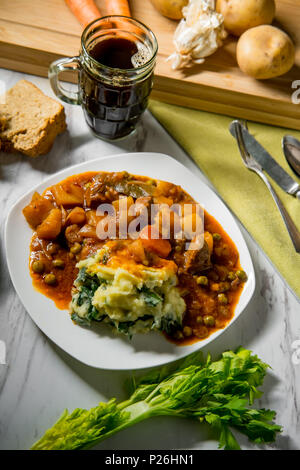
(29, 120)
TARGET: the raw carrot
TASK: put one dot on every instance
(85, 11)
(117, 7)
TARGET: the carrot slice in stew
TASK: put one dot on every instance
(155, 244)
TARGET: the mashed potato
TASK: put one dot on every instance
(131, 298)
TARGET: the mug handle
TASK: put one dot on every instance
(64, 65)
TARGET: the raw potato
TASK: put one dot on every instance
(265, 52)
(170, 8)
(240, 15)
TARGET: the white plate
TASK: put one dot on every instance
(99, 347)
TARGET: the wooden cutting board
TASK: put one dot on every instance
(34, 33)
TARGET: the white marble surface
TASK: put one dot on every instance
(39, 380)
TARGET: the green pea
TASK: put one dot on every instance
(231, 276)
(178, 335)
(38, 267)
(209, 320)
(50, 279)
(241, 275)
(76, 248)
(217, 237)
(187, 331)
(199, 320)
(202, 280)
(222, 299)
(58, 263)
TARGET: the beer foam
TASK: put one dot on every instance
(141, 57)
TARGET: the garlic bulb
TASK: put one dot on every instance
(198, 35)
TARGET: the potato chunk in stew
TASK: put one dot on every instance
(71, 195)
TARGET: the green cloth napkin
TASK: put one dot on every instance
(206, 138)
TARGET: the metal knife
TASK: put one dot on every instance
(267, 162)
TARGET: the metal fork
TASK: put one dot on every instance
(252, 165)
